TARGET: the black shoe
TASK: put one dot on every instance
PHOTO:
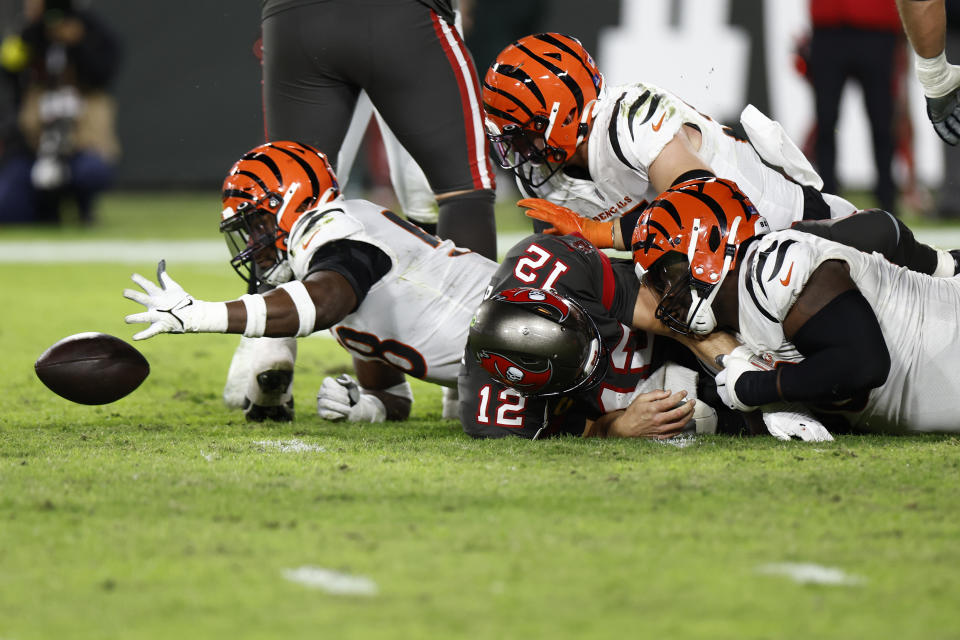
(271, 382)
(259, 413)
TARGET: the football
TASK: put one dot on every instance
(92, 368)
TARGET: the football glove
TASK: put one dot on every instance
(792, 421)
(739, 361)
(340, 398)
(944, 113)
(170, 309)
(566, 221)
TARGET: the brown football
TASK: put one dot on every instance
(92, 368)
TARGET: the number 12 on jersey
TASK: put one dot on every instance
(511, 404)
(530, 268)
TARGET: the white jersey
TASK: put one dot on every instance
(415, 317)
(632, 124)
(917, 314)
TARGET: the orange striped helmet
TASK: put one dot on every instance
(264, 194)
(538, 96)
(685, 244)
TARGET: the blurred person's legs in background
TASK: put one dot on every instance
(418, 74)
(839, 53)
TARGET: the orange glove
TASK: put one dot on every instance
(566, 221)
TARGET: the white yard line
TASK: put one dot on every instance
(808, 573)
(114, 251)
(215, 251)
(333, 582)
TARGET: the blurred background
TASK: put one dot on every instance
(187, 82)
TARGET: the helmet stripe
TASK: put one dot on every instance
(260, 156)
(671, 209)
(740, 197)
(311, 174)
(549, 39)
(511, 98)
(562, 75)
(711, 204)
(255, 178)
(515, 73)
(235, 193)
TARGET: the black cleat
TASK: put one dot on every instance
(259, 413)
(274, 381)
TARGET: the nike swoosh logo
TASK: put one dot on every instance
(656, 127)
(307, 241)
(786, 281)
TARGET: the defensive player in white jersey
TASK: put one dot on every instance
(604, 152)
(845, 331)
(399, 299)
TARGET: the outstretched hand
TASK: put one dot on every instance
(164, 304)
(170, 309)
(566, 221)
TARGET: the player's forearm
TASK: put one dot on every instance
(397, 407)
(292, 309)
(924, 21)
(708, 348)
(601, 427)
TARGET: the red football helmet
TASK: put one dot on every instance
(685, 244)
(538, 96)
(264, 194)
(537, 342)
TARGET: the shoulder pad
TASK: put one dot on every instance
(316, 228)
(780, 269)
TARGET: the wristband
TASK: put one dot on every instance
(256, 315)
(937, 76)
(205, 317)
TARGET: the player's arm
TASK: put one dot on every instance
(292, 309)
(837, 331)
(338, 277)
(378, 393)
(678, 158)
(925, 23)
(327, 292)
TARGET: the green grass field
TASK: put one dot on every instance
(164, 515)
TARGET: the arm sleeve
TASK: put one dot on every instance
(845, 357)
(362, 264)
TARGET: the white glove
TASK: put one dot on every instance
(740, 361)
(340, 398)
(170, 309)
(794, 421)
